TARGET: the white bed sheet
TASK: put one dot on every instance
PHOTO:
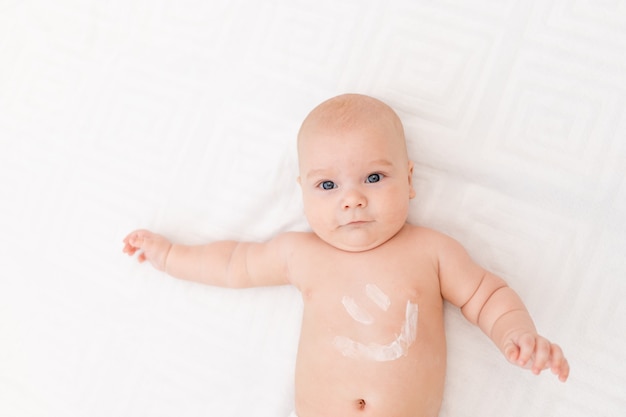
(180, 116)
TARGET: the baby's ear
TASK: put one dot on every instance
(411, 189)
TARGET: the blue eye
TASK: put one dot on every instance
(374, 178)
(327, 185)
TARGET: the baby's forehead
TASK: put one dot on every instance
(346, 115)
(348, 112)
(363, 133)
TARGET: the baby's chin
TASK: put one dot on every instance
(354, 248)
(355, 243)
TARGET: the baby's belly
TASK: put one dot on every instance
(329, 384)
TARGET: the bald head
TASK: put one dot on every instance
(346, 112)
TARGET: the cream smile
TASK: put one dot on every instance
(357, 313)
(383, 353)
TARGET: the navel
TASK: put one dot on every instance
(360, 404)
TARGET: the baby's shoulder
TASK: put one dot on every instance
(440, 245)
(294, 241)
(425, 235)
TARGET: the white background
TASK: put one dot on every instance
(181, 116)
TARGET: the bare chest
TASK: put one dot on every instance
(369, 322)
(369, 305)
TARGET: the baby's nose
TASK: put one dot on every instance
(353, 198)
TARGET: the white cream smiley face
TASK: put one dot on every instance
(396, 349)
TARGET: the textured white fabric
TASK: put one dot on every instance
(181, 116)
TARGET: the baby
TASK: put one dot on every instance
(372, 340)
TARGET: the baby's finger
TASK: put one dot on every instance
(129, 249)
(511, 352)
(130, 236)
(137, 241)
(558, 364)
(542, 355)
(527, 348)
(564, 371)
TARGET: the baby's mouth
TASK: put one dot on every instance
(356, 223)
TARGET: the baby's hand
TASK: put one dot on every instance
(153, 247)
(534, 352)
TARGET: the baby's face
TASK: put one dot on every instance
(356, 184)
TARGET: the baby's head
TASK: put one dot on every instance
(355, 173)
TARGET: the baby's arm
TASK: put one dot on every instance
(487, 301)
(223, 263)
